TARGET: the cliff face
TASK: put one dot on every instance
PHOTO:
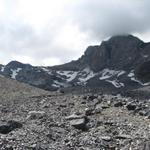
(120, 52)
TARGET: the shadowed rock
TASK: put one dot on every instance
(10, 126)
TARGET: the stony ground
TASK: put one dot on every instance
(56, 121)
(33, 119)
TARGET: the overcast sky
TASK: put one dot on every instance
(51, 32)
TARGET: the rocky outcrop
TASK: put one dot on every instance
(143, 71)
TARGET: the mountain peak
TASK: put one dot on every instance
(16, 64)
(120, 51)
(124, 38)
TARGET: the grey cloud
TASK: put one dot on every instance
(111, 17)
(97, 19)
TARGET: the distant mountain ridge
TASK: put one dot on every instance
(120, 63)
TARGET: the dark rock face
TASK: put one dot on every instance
(118, 52)
(143, 71)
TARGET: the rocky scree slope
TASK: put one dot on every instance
(11, 89)
(118, 64)
(40, 120)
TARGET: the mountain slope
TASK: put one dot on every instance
(11, 89)
(120, 63)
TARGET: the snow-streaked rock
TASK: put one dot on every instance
(70, 75)
(131, 74)
(15, 72)
(46, 70)
(2, 69)
(108, 73)
(86, 74)
(116, 83)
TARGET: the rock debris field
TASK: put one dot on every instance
(33, 119)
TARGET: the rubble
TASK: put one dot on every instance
(67, 124)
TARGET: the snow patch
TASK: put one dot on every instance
(86, 74)
(46, 70)
(59, 84)
(15, 72)
(145, 56)
(145, 84)
(2, 69)
(116, 83)
(107, 73)
(56, 85)
(87, 70)
(121, 73)
(70, 75)
(138, 81)
(132, 77)
(131, 74)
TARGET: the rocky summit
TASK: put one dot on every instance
(120, 64)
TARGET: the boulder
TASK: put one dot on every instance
(9, 126)
(131, 106)
(78, 121)
(118, 104)
(36, 114)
